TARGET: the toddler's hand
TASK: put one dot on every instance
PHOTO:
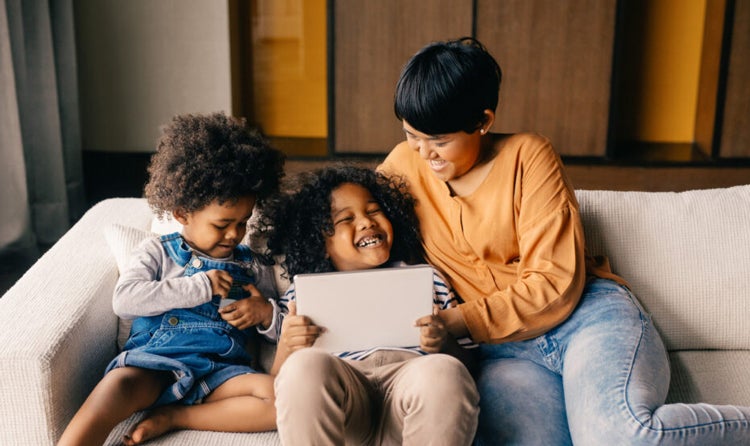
(252, 310)
(432, 332)
(221, 282)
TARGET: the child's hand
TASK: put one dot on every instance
(221, 282)
(252, 310)
(432, 332)
(297, 332)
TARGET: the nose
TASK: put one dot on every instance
(423, 149)
(365, 222)
(231, 233)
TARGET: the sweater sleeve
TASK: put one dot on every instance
(550, 268)
(153, 284)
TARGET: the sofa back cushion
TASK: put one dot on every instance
(686, 256)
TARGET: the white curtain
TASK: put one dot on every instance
(41, 179)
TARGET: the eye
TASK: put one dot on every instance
(343, 220)
(221, 227)
(374, 211)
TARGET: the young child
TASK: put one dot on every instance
(348, 218)
(185, 357)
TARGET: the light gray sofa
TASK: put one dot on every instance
(686, 255)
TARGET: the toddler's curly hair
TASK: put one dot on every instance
(297, 223)
(206, 158)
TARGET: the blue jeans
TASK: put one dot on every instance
(600, 377)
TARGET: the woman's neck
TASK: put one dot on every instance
(469, 182)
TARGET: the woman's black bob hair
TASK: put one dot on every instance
(297, 223)
(446, 87)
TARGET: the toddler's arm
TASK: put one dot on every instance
(152, 284)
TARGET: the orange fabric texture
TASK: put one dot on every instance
(514, 248)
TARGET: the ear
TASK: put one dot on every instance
(181, 216)
(488, 119)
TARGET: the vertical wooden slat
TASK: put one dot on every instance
(371, 42)
(708, 80)
(735, 126)
(556, 58)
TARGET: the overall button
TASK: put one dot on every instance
(196, 262)
(173, 321)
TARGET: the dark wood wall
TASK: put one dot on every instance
(560, 71)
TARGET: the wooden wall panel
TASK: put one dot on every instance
(371, 42)
(708, 80)
(735, 126)
(556, 58)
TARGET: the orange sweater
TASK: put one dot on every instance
(514, 248)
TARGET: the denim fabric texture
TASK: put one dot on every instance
(600, 377)
(195, 344)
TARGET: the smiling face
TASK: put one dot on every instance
(363, 235)
(450, 155)
(216, 229)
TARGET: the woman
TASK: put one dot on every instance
(568, 355)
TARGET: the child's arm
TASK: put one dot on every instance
(297, 332)
(152, 284)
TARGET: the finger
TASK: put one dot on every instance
(228, 309)
(423, 321)
(292, 308)
(435, 309)
(250, 288)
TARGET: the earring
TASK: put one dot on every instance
(482, 131)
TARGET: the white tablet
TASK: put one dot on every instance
(366, 308)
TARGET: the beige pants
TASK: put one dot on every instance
(389, 398)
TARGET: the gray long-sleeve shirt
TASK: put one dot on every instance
(152, 283)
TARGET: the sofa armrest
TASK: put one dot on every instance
(58, 329)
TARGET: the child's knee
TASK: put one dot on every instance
(134, 380)
(445, 374)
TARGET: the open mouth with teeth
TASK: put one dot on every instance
(371, 240)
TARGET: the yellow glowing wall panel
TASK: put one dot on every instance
(289, 67)
(664, 41)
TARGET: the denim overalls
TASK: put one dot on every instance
(195, 344)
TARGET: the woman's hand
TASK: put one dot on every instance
(432, 332)
(250, 311)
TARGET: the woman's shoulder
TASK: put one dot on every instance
(402, 158)
(526, 147)
(524, 141)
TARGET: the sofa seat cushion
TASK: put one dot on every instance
(195, 438)
(715, 377)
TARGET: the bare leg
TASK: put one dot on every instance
(244, 403)
(122, 392)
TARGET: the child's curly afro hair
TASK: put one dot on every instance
(206, 158)
(298, 222)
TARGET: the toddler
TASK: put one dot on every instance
(185, 357)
